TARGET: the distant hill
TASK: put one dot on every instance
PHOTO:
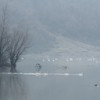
(74, 19)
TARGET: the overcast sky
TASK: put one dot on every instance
(76, 19)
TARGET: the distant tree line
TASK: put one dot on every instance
(13, 43)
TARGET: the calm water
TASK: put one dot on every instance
(52, 87)
(64, 87)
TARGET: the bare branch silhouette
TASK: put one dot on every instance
(4, 38)
(17, 47)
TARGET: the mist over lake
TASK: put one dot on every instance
(63, 57)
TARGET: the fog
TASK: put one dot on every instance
(62, 33)
(75, 19)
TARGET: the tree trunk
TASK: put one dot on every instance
(13, 68)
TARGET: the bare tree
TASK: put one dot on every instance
(17, 47)
(13, 43)
(4, 37)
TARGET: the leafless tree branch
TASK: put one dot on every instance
(17, 47)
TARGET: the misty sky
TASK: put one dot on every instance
(75, 19)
